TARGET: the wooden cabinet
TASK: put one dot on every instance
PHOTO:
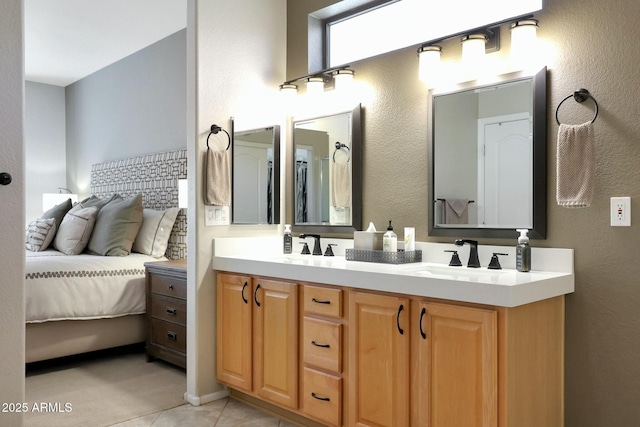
(166, 313)
(257, 337)
(379, 360)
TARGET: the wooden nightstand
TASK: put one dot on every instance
(166, 285)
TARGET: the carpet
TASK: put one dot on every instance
(100, 389)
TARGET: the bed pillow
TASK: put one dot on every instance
(40, 234)
(117, 225)
(58, 212)
(153, 236)
(75, 230)
(97, 201)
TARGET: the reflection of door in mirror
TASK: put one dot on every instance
(255, 177)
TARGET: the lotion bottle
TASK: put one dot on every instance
(390, 240)
(523, 252)
(288, 240)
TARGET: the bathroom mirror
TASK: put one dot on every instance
(327, 173)
(487, 153)
(256, 176)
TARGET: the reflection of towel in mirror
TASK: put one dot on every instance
(341, 194)
(456, 212)
(217, 179)
(576, 165)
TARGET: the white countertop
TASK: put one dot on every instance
(431, 278)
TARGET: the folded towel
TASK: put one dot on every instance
(456, 212)
(217, 178)
(576, 165)
(341, 195)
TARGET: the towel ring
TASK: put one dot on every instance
(580, 96)
(340, 145)
(214, 131)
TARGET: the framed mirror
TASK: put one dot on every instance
(255, 176)
(487, 152)
(327, 173)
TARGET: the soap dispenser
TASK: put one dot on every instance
(523, 252)
(390, 240)
(288, 239)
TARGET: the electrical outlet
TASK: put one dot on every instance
(621, 211)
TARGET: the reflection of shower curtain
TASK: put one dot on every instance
(270, 192)
(301, 192)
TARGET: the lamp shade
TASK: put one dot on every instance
(428, 62)
(473, 49)
(524, 36)
(183, 193)
(343, 79)
(315, 86)
(49, 200)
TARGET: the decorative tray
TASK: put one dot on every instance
(400, 257)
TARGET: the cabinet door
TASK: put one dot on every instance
(276, 341)
(379, 336)
(234, 325)
(456, 366)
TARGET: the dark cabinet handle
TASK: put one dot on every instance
(170, 287)
(398, 319)
(320, 302)
(320, 345)
(255, 295)
(246, 301)
(422, 313)
(171, 311)
(172, 336)
(315, 396)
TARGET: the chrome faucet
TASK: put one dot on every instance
(474, 262)
(317, 250)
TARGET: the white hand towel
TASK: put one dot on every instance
(341, 195)
(456, 212)
(576, 165)
(217, 179)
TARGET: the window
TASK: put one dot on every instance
(398, 24)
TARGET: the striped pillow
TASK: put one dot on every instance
(40, 234)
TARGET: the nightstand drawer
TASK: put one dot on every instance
(322, 344)
(322, 396)
(323, 301)
(169, 286)
(169, 309)
(169, 335)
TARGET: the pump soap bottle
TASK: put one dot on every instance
(288, 240)
(390, 240)
(523, 252)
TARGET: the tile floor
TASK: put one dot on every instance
(221, 413)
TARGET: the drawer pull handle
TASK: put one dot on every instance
(320, 302)
(172, 336)
(171, 287)
(320, 345)
(422, 313)
(315, 396)
(171, 311)
(255, 295)
(246, 301)
(398, 319)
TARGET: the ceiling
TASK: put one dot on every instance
(66, 40)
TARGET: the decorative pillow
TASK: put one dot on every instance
(58, 212)
(40, 234)
(117, 226)
(75, 230)
(97, 201)
(153, 236)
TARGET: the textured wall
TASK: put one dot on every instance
(590, 44)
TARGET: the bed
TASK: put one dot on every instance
(90, 301)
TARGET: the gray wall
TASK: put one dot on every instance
(45, 144)
(135, 106)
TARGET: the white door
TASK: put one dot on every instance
(12, 209)
(250, 184)
(505, 184)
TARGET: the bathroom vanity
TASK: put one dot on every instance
(325, 341)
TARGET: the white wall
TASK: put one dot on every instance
(12, 209)
(45, 144)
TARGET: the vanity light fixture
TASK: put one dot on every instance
(341, 76)
(342, 79)
(315, 86)
(429, 61)
(523, 39)
(473, 49)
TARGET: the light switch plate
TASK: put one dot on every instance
(621, 211)
(216, 215)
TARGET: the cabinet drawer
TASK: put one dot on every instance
(169, 286)
(323, 301)
(322, 396)
(169, 309)
(169, 335)
(322, 344)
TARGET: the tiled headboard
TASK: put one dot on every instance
(156, 177)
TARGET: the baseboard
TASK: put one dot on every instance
(201, 400)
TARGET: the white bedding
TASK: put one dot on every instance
(81, 287)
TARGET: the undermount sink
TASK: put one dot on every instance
(428, 269)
